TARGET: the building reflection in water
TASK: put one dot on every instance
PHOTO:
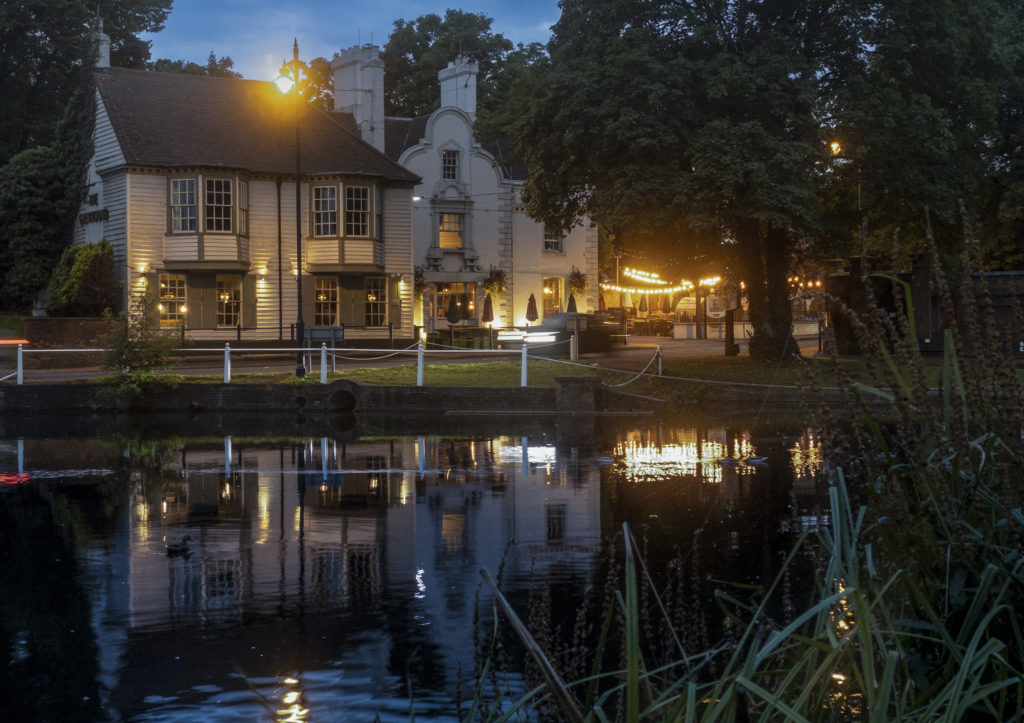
(382, 527)
(333, 574)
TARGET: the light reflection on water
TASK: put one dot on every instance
(325, 577)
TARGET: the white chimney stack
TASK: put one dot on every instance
(103, 51)
(458, 85)
(359, 90)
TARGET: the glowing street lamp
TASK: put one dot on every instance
(291, 80)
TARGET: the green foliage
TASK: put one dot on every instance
(47, 44)
(41, 190)
(495, 283)
(417, 50)
(83, 282)
(137, 346)
(215, 67)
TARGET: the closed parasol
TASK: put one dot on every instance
(452, 314)
(571, 306)
(531, 309)
(464, 312)
(601, 305)
(488, 314)
(643, 303)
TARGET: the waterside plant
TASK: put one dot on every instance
(914, 613)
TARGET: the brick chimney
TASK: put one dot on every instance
(359, 89)
(458, 85)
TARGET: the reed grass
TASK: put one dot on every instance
(915, 613)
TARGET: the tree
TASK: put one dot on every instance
(319, 86)
(217, 67)
(688, 129)
(45, 44)
(416, 51)
(927, 122)
(41, 190)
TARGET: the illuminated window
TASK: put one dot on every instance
(450, 231)
(552, 296)
(357, 211)
(325, 306)
(183, 205)
(218, 204)
(552, 240)
(376, 300)
(325, 210)
(449, 165)
(229, 300)
(444, 293)
(172, 299)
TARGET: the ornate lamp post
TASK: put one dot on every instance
(291, 79)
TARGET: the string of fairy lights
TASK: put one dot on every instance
(657, 285)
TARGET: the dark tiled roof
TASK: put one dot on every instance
(400, 133)
(173, 120)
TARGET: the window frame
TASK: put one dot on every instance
(224, 221)
(444, 232)
(325, 222)
(449, 164)
(376, 309)
(553, 241)
(168, 298)
(173, 202)
(229, 301)
(358, 220)
(325, 310)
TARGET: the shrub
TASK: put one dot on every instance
(135, 341)
(83, 282)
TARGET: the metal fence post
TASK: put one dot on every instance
(660, 367)
(323, 362)
(227, 363)
(522, 373)
(419, 364)
(21, 365)
(574, 347)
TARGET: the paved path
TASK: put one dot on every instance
(632, 356)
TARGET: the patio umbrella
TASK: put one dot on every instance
(488, 314)
(601, 306)
(531, 309)
(570, 308)
(643, 303)
(656, 302)
(452, 315)
(465, 313)
(627, 301)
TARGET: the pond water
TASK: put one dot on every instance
(198, 571)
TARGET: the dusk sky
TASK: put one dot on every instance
(258, 34)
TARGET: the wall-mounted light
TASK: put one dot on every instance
(262, 271)
(417, 198)
(143, 267)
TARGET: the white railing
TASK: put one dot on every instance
(335, 353)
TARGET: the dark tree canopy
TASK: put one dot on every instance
(699, 131)
(219, 67)
(417, 50)
(45, 44)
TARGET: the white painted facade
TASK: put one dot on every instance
(496, 231)
(129, 206)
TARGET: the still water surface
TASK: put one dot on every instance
(286, 576)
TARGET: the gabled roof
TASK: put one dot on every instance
(401, 133)
(170, 120)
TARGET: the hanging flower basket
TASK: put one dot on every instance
(419, 284)
(495, 282)
(577, 282)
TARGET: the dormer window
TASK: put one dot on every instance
(449, 165)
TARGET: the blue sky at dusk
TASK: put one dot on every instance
(258, 34)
